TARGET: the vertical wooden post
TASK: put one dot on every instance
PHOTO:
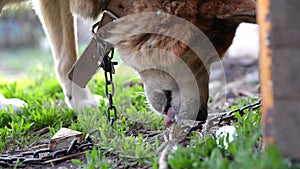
(265, 69)
(280, 73)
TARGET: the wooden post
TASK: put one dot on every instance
(265, 69)
(280, 77)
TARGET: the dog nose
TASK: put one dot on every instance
(202, 113)
(160, 100)
(168, 95)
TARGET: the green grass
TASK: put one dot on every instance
(244, 152)
(42, 93)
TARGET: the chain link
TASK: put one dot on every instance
(109, 70)
(106, 53)
(226, 118)
(44, 156)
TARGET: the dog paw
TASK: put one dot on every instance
(93, 101)
(14, 103)
(82, 98)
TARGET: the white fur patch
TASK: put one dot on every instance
(246, 42)
(15, 103)
(223, 132)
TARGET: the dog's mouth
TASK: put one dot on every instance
(168, 110)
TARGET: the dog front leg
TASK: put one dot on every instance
(59, 25)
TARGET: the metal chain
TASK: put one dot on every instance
(226, 118)
(45, 156)
(109, 70)
(106, 53)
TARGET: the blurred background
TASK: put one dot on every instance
(23, 44)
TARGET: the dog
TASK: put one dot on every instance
(167, 88)
(159, 39)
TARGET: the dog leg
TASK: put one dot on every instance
(59, 25)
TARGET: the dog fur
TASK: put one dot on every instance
(217, 19)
